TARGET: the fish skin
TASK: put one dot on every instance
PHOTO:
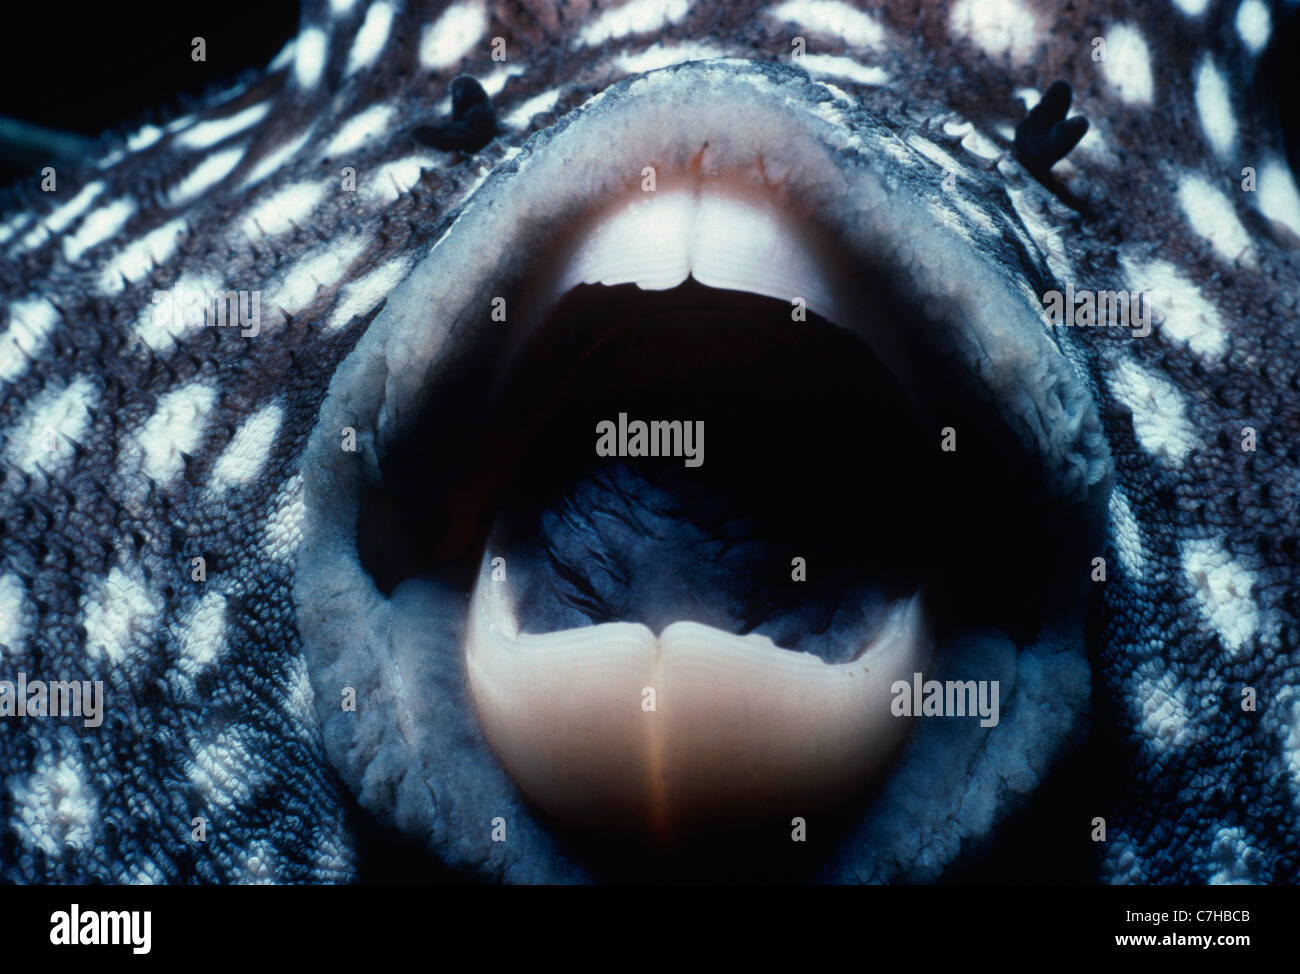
(210, 711)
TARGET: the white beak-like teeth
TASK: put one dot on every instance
(722, 235)
(610, 727)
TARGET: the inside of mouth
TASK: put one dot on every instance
(776, 511)
(817, 496)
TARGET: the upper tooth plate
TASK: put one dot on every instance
(738, 241)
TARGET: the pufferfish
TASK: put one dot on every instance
(350, 426)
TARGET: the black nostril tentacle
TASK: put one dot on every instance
(473, 123)
(1045, 136)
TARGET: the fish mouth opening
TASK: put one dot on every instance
(714, 528)
(711, 465)
(700, 631)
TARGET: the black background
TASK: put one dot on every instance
(93, 68)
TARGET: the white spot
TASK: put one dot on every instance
(661, 56)
(1162, 712)
(1159, 411)
(12, 632)
(276, 158)
(834, 66)
(143, 137)
(634, 17)
(522, 115)
(286, 207)
(1214, 106)
(257, 864)
(284, 521)
(179, 124)
(1278, 198)
(38, 437)
(366, 292)
(119, 615)
(1236, 858)
(225, 771)
(285, 57)
(1193, 8)
(1254, 24)
(138, 873)
(309, 57)
(322, 268)
(207, 134)
(495, 82)
(135, 261)
(1128, 65)
(182, 306)
(1222, 587)
(203, 634)
(359, 129)
(1291, 745)
(340, 8)
(54, 807)
(392, 179)
(30, 325)
(997, 27)
(244, 458)
(206, 175)
(63, 217)
(1178, 306)
(853, 27)
(113, 158)
(1029, 96)
(97, 228)
(300, 703)
(176, 427)
(11, 226)
(453, 35)
(1126, 535)
(1212, 216)
(371, 37)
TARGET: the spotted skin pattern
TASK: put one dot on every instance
(132, 445)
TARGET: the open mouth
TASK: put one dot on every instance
(700, 626)
(720, 450)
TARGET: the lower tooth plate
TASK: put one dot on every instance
(611, 727)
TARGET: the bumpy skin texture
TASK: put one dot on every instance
(169, 447)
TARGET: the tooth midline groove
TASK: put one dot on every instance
(611, 726)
